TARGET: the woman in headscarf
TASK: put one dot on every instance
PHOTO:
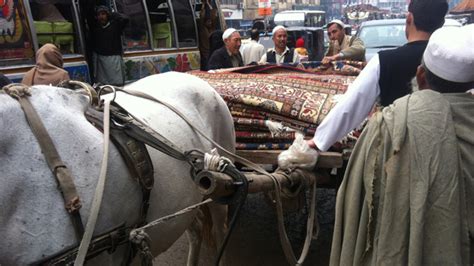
(48, 69)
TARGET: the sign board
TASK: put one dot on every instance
(264, 7)
(232, 13)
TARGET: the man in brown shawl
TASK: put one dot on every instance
(408, 193)
(48, 69)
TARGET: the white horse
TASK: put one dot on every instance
(33, 221)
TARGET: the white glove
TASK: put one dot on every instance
(299, 155)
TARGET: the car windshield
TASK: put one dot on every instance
(383, 36)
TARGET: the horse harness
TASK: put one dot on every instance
(129, 137)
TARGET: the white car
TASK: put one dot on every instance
(385, 34)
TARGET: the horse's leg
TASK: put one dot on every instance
(194, 235)
(210, 227)
(219, 222)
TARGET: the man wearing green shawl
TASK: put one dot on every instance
(407, 197)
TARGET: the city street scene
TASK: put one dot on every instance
(236, 132)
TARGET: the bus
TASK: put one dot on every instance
(162, 35)
(300, 18)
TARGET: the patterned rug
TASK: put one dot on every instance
(296, 98)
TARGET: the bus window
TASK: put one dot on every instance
(185, 23)
(136, 33)
(316, 20)
(162, 26)
(16, 43)
(54, 23)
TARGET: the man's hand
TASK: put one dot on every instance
(328, 59)
(299, 155)
(311, 144)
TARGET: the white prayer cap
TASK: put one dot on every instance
(227, 33)
(277, 28)
(450, 53)
(338, 22)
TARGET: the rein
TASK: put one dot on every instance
(99, 192)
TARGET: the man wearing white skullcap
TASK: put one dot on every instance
(280, 53)
(229, 55)
(407, 197)
(342, 46)
(448, 61)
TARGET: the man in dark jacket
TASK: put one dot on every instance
(107, 47)
(229, 55)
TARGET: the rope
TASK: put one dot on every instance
(17, 91)
(172, 216)
(99, 191)
(215, 162)
(285, 242)
(142, 242)
(211, 162)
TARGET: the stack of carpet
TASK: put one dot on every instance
(269, 103)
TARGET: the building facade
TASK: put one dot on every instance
(250, 7)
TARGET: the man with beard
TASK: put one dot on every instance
(229, 55)
(280, 53)
(342, 46)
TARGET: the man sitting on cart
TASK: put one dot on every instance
(342, 46)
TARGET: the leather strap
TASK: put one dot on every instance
(108, 241)
(63, 176)
(134, 153)
(142, 132)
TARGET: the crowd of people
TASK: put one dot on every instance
(341, 47)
